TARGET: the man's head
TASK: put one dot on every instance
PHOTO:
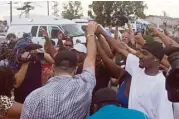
(125, 37)
(11, 37)
(151, 55)
(66, 63)
(104, 97)
(7, 81)
(60, 35)
(22, 46)
(81, 50)
(68, 43)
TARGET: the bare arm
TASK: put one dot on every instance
(14, 112)
(114, 69)
(116, 33)
(116, 44)
(129, 49)
(105, 46)
(165, 39)
(91, 47)
(20, 75)
(60, 43)
(50, 48)
(131, 33)
(48, 58)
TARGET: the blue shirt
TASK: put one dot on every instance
(115, 112)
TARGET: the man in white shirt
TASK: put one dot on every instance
(147, 90)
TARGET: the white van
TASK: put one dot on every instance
(82, 22)
(53, 26)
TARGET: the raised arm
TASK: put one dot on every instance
(115, 70)
(60, 42)
(165, 39)
(116, 44)
(51, 49)
(131, 33)
(116, 33)
(105, 46)
(91, 47)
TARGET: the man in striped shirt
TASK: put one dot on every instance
(65, 96)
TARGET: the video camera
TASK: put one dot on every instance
(172, 78)
(119, 18)
(13, 50)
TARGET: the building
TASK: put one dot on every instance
(158, 20)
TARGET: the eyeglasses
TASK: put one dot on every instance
(66, 45)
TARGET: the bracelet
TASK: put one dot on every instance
(90, 35)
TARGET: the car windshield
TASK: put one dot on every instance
(73, 30)
(84, 27)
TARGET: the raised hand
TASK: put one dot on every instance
(91, 28)
(44, 32)
(139, 39)
(153, 30)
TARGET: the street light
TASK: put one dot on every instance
(48, 7)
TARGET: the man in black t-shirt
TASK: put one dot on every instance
(31, 82)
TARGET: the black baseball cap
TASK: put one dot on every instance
(105, 95)
(66, 55)
(155, 48)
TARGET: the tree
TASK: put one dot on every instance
(72, 10)
(26, 8)
(103, 10)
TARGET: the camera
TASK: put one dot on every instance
(172, 78)
(119, 18)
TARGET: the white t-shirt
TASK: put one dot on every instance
(176, 110)
(148, 93)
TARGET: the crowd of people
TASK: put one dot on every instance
(75, 81)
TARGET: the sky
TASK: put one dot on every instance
(155, 7)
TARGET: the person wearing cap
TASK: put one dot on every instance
(80, 49)
(28, 72)
(147, 89)
(65, 96)
(68, 43)
(106, 106)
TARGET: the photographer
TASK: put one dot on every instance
(28, 76)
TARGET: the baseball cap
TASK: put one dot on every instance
(155, 48)
(66, 55)
(105, 95)
(23, 44)
(80, 48)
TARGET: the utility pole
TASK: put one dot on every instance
(48, 8)
(10, 11)
(10, 4)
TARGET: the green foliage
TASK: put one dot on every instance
(103, 10)
(72, 10)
